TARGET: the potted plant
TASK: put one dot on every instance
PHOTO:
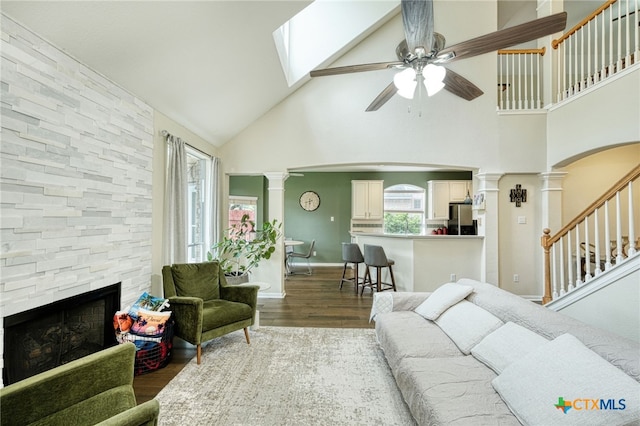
(245, 247)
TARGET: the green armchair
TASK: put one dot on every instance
(204, 305)
(95, 389)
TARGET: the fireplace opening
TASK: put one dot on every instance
(48, 336)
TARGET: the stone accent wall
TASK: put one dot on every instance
(76, 174)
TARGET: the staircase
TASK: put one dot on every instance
(597, 256)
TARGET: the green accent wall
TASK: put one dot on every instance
(334, 190)
(252, 186)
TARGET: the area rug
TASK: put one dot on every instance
(287, 376)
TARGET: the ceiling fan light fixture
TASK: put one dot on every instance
(405, 82)
(433, 78)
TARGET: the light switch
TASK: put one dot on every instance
(331, 218)
(522, 220)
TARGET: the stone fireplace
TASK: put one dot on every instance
(51, 335)
(77, 185)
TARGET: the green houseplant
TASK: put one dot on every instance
(245, 247)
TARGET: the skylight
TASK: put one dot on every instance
(326, 29)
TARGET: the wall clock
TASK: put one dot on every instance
(309, 201)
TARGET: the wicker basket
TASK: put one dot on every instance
(151, 354)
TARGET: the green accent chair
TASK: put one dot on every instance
(95, 389)
(204, 305)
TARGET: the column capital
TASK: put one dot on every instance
(276, 180)
(552, 181)
(488, 181)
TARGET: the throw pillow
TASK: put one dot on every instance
(564, 382)
(467, 324)
(505, 345)
(441, 299)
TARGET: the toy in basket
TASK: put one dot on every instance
(150, 328)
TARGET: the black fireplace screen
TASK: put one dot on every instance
(52, 335)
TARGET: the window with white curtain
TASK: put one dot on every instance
(199, 204)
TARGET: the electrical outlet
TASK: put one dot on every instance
(516, 278)
(314, 252)
(453, 278)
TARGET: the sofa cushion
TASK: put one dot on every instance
(621, 352)
(467, 324)
(442, 299)
(197, 280)
(405, 334)
(506, 344)
(564, 373)
(455, 390)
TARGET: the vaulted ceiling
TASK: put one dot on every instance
(211, 66)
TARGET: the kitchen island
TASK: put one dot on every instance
(424, 262)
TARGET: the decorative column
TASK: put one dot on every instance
(488, 226)
(551, 206)
(273, 270)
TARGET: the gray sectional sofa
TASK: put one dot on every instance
(478, 355)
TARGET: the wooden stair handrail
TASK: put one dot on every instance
(555, 43)
(540, 51)
(618, 186)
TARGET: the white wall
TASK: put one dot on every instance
(596, 173)
(324, 122)
(606, 115)
(520, 250)
(613, 308)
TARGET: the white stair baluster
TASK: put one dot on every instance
(619, 257)
(578, 258)
(587, 251)
(632, 232)
(554, 276)
(555, 288)
(607, 237)
(570, 267)
(596, 225)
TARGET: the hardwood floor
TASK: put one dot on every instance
(311, 301)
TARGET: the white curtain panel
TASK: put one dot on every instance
(175, 203)
(216, 201)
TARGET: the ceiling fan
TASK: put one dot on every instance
(422, 53)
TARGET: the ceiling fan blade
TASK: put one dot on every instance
(354, 68)
(382, 98)
(505, 38)
(460, 86)
(417, 19)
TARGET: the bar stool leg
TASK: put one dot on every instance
(356, 279)
(344, 271)
(393, 280)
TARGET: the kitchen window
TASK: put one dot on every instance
(404, 207)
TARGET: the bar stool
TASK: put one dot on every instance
(374, 256)
(351, 254)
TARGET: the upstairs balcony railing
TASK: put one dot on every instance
(603, 236)
(604, 43)
(519, 79)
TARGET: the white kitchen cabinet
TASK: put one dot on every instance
(367, 199)
(458, 190)
(443, 192)
(438, 199)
